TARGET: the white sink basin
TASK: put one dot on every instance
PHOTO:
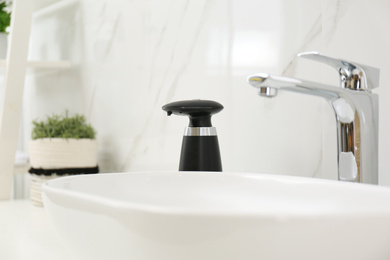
(214, 215)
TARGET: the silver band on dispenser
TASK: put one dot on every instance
(200, 131)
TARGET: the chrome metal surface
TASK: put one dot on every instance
(356, 115)
(352, 75)
(200, 131)
(268, 92)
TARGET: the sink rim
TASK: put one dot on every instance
(80, 198)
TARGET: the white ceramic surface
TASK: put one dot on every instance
(213, 215)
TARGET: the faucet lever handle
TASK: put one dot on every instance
(352, 75)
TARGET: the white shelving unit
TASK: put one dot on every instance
(16, 66)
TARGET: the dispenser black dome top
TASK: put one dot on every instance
(198, 111)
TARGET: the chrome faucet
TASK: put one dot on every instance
(355, 107)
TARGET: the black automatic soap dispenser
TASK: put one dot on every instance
(200, 148)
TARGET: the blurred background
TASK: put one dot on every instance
(120, 61)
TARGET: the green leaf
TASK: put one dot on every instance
(5, 18)
(63, 126)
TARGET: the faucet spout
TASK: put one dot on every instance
(356, 114)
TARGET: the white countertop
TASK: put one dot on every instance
(26, 233)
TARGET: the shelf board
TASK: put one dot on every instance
(62, 64)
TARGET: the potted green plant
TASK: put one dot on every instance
(61, 145)
(5, 20)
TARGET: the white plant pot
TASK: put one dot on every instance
(56, 153)
(59, 153)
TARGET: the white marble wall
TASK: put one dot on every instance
(132, 57)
